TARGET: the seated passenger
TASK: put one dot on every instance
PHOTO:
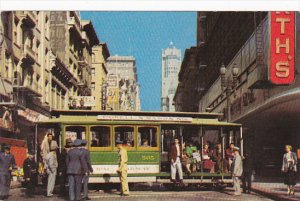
(229, 155)
(208, 164)
(145, 143)
(94, 141)
(186, 162)
(196, 160)
(218, 158)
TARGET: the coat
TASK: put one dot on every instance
(237, 166)
(75, 162)
(51, 162)
(123, 159)
(285, 165)
(6, 161)
(87, 160)
(173, 152)
(29, 168)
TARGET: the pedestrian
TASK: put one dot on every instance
(75, 167)
(247, 173)
(175, 154)
(7, 163)
(51, 167)
(122, 170)
(237, 171)
(62, 167)
(30, 173)
(289, 168)
(87, 171)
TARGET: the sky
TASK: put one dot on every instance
(144, 35)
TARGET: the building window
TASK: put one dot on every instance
(93, 71)
(93, 86)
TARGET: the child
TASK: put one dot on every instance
(30, 173)
(196, 159)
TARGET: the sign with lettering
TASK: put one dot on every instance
(143, 118)
(132, 169)
(282, 52)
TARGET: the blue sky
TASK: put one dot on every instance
(144, 35)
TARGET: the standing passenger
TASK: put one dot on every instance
(176, 161)
(7, 163)
(75, 167)
(51, 167)
(237, 171)
(230, 155)
(289, 167)
(122, 170)
(87, 171)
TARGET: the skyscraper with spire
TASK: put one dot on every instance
(170, 64)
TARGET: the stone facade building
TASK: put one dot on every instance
(45, 59)
(99, 75)
(123, 88)
(170, 65)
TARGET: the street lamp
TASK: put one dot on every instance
(229, 85)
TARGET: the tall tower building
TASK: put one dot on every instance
(170, 64)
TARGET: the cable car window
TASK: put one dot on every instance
(100, 136)
(124, 134)
(147, 137)
(75, 132)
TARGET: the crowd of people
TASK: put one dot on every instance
(73, 166)
(211, 160)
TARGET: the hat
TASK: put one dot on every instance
(68, 143)
(236, 149)
(83, 142)
(31, 152)
(76, 143)
(7, 146)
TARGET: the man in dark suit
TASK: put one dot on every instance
(75, 167)
(247, 173)
(88, 169)
(7, 163)
(30, 173)
(62, 166)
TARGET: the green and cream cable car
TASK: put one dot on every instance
(147, 137)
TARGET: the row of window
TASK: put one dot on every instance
(102, 136)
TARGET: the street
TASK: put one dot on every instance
(154, 193)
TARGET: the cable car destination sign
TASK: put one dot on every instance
(143, 118)
(282, 51)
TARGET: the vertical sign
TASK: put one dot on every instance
(282, 43)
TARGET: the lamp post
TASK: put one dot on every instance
(229, 85)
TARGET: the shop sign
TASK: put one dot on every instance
(282, 43)
(83, 101)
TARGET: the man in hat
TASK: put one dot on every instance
(122, 170)
(237, 171)
(30, 173)
(87, 171)
(51, 167)
(62, 166)
(75, 167)
(7, 163)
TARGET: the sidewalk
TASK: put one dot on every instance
(275, 191)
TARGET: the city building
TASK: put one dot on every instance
(99, 75)
(45, 64)
(170, 66)
(244, 90)
(123, 88)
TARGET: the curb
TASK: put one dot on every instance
(271, 195)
